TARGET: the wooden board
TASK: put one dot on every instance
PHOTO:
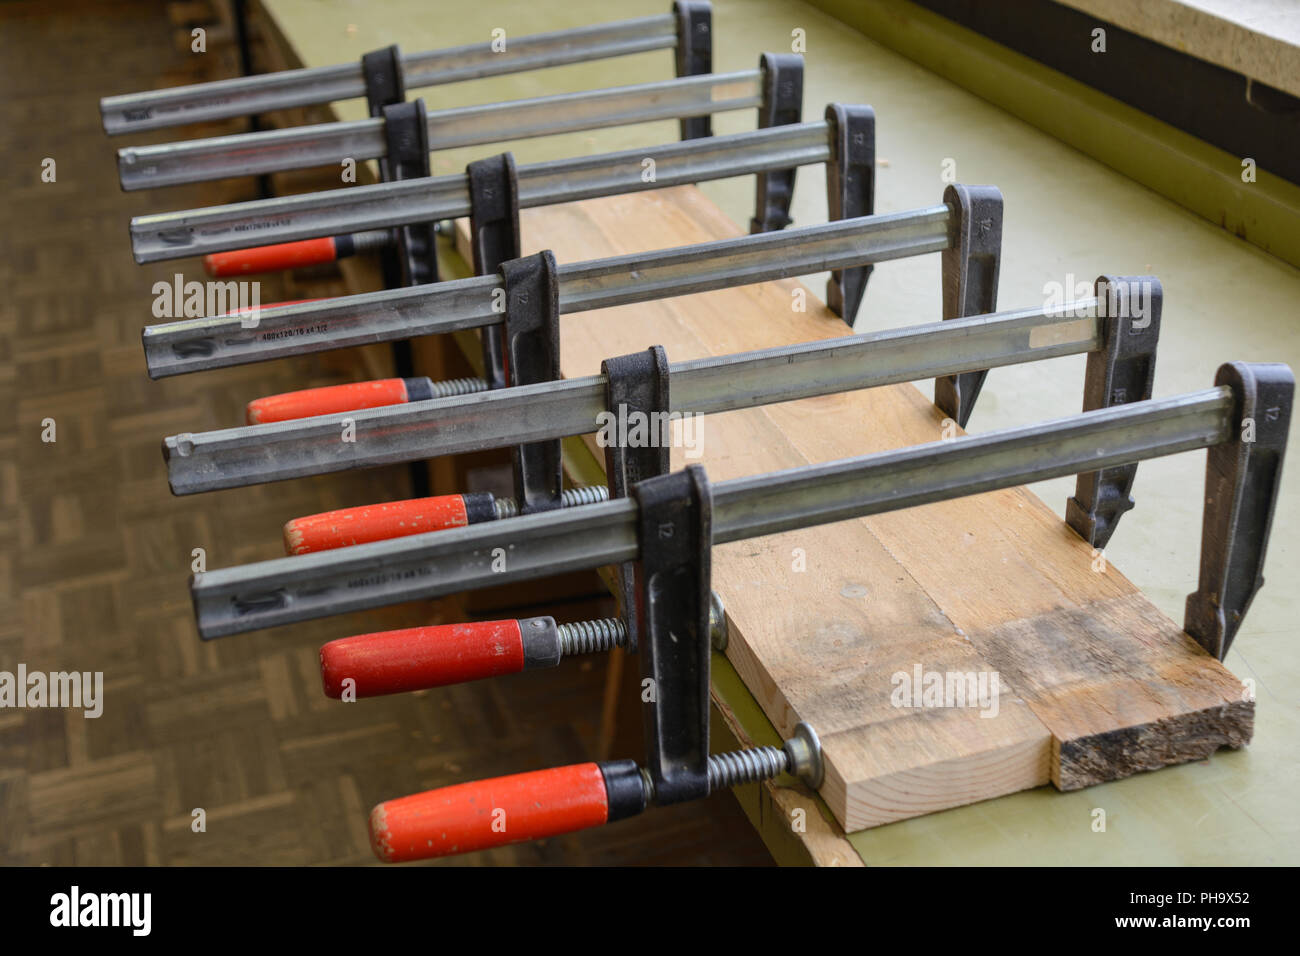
(1096, 684)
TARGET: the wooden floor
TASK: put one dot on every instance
(96, 552)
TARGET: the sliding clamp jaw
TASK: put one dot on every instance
(1243, 478)
(970, 281)
(1122, 371)
(782, 105)
(495, 239)
(532, 351)
(850, 192)
(693, 55)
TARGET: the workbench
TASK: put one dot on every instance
(1068, 219)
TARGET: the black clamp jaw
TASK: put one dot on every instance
(1243, 478)
(532, 353)
(384, 78)
(850, 193)
(411, 256)
(676, 611)
(674, 530)
(782, 105)
(413, 260)
(970, 281)
(495, 239)
(1120, 373)
(694, 55)
(635, 384)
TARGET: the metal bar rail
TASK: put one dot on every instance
(302, 147)
(194, 345)
(238, 457)
(195, 232)
(250, 95)
(287, 590)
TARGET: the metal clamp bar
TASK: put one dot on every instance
(196, 344)
(247, 96)
(726, 263)
(302, 147)
(194, 232)
(287, 590)
(242, 456)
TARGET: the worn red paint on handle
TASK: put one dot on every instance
(394, 662)
(487, 813)
(282, 255)
(393, 519)
(324, 401)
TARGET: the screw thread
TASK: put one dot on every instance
(745, 766)
(589, 495)
(370, 241)
(458, 386)
(589, 637)
(569, 498)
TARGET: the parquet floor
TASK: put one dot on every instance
(95, 552)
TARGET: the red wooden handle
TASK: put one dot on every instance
(475, 816)
(283, 255)
(324, 401)
(393, 519)
(394, 662)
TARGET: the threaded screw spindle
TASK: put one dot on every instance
(371, 241)
(590, 637)
(458, 386)
(569, 498)
(587, 495)
(746, 766)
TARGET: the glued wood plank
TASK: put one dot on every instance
(1095, 684)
